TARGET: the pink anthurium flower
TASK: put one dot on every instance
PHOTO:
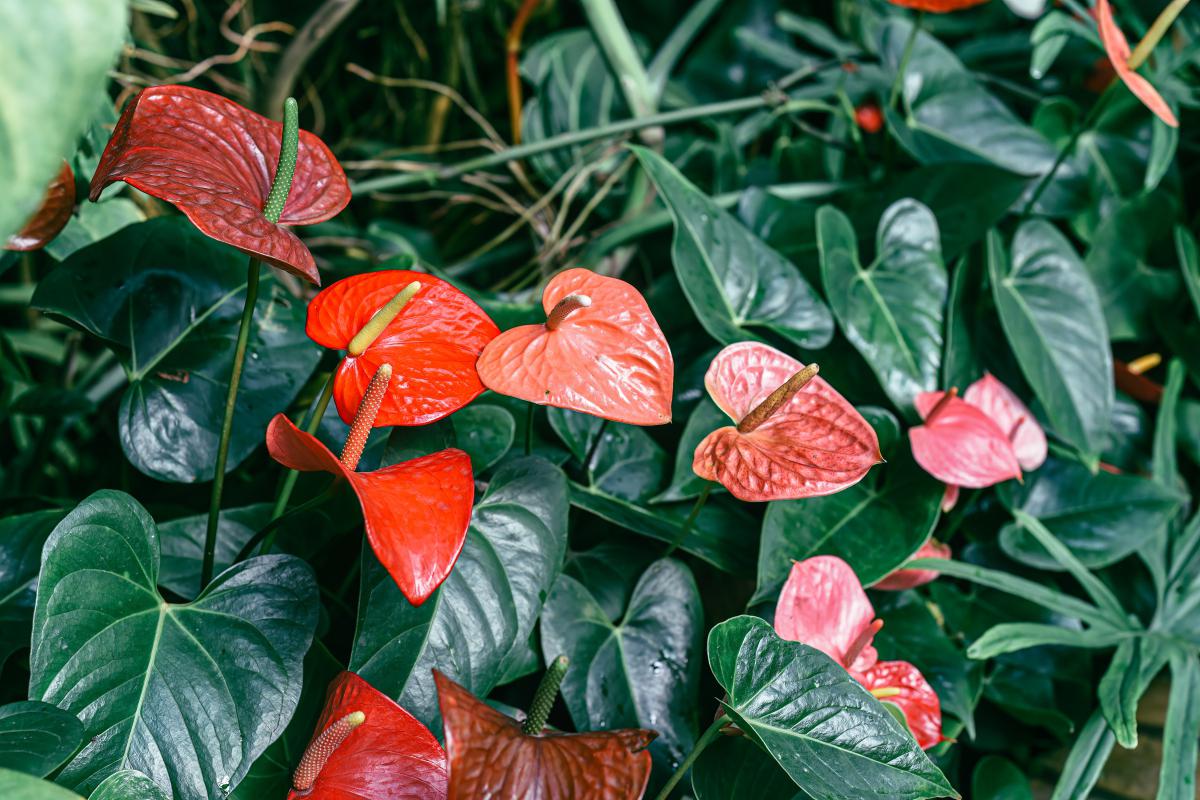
(1117, 48)
(824, 606)
(959, 444)
(902, 579)
(796, 436)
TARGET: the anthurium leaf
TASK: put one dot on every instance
(609, 572)
(734, 766)
(128, 784)
(21, 540)
(892, 309)
(1012, 636)
(1052, 318)
(486, 432)
(733, 280)
(37, 737)
(182, 544)
(54, 61)
(168, 299)
(639, 671)
(109, 649)
(20, 786)
(1101, 518)
(685, 484)
(1177, 776)
(997, 778)
(479, 620)
(962, 363)
(1118, 692)
(830, 734)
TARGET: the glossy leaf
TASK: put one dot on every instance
(20, 786)
(1118, 692)
(168, 300)
(639, 670)
(483, 613)
(491, 757)
(182, 545)
(1177, 775)
(733, 280)
(823, 728)
(997, 778)
(1054, 322)
(685, 483)
(50, 217)
(431, 345)
(961, 445)
(892, 309)
(214, 160)
(485, 432)
(107, 648)
(21, 540)
(128, 784)
(608, 357)
(734, 766)
(1118, 52)
(37, 737)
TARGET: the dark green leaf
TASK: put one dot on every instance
(485, 432)
(21, 540)
(685, 484)
(1118, 692)
(734, 766)
(37, 737)
(997, 778)
(1177, 777)
(128, 784)
(1012, 636)
(182, 542)
(609, 571)
(577, 430)
(19, 786)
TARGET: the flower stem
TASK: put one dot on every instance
(544, 697)
(1157, 31)
(266, 534)
(686, 527)
(909, 45)
(703, 742)
(1067, 149)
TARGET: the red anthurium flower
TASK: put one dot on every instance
(490, 756)
(959, 444)
(795, 437)
(1012, 416)
(903, 579)
(1117, 48)
(432, 343)
(214, 160)
(416, 512)
(52, 215)
(824, 606)
(869, 117)
(600, 351)
(938, 6)
(365, 747)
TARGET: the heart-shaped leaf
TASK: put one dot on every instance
(107, 648)
(182, 544)
(37, 737)
(641, 670)
(484, 611)
(128, 784)
(734, 766)
(891, 310)
(733, 280)
(168, 301)
(1053, 320)
(20, 786)
(817, 722)
(485, 432)
(21, 540)
(600, 351)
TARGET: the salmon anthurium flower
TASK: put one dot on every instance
(959, 444)
(903, 579)
(1117, 48)
(213, 160)
(490, 755)
(431, 343)
(52, 215)
(823, 605)
(600, 351)
(415, 513)
(365, 747)
(938, 6)
(795, 435)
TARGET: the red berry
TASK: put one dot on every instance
(869, 117)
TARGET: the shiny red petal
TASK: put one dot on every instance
(390, 756)
(815, 444)
(1117, 48)
(962, 446)
(920, 704)
(415, 513)
(432, 345)
(938, 6)
(609, 359)
(823, 605)
(52, 215)
(491, 757)
(1012, 416)
(903, 579)
(214, 160)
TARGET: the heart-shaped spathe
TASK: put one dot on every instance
(959, 444)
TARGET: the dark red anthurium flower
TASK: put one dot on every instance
(959, 444)
(903, 579)
(214, 160)
(938, 6)
(823, 605)
(52, 215)
(415, 513)
(1117, 48)
(432, 343)
(365, 747)
(795, 435)
(491, 757)
(869, 117)
(600, 351)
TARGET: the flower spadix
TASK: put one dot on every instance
(795, 436)
(600, 351)
(415, 513)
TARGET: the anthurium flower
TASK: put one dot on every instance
(213, 160)
(959, 444)
(415, 513)
(431, 343)
(1012, 416)
(600, 351)
(795, 435)
(1117, 48)
(824, 606)
(490, 755)
(903, 579)
(938, 6)
(52, 215)
(365, 747)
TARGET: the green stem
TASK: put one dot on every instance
(622, 55)
(529, 430)
(1157, 31)
(270, 528)
(1066, 151)
(703, 742)
(909, 45)
(544, 697)
(686, 527)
